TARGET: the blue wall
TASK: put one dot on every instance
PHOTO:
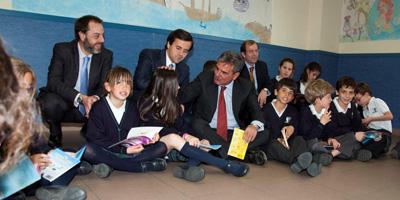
(32, 36)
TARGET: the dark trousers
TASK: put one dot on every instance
(204, 131)
(348, 145)
(377, 148)
(96, 154)
(276, 151)
(56, 110)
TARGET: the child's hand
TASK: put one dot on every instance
(134, 149)
(366, 121)
(42, 160)
(155, 138)
(205, 142)
(194, 141)
(325, 118)
(288, 130)
(334, 143)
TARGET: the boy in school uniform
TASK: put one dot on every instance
(109, 122)
(377, 116)
(284, 145)
(345, 133)
(315, 117)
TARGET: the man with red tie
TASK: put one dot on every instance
(221, 99)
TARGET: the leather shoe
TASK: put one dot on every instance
(236, 168)
(257, 157)
(189, 173)
(84, 168)
(58, 192)
(102, 170)
(157, 164)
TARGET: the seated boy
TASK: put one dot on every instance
(284, 145)
(345, 133)
(315, 117)
(377, 116)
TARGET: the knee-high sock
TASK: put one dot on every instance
(197, 154)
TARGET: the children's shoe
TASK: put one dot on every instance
(302, 162)
(189, 173)
(363, 155)
(157, 164)
(323, 158)
(84, 168)
(236, 168)
(102, 170)
(257, 157)
(314, 169)
(57, 192)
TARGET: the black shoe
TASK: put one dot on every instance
(323, 158)
(176, 156)
(257, 157)
(189, 173)
(84, 168)
(314, 169)
(236, 168)
(363, 155)
(157, 164)
(102, 170)
(303, 161)
(57, 192)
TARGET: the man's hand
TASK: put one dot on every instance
(262, 98)
(88, 101)
(250, 133)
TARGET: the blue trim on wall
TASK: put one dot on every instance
(126, 41)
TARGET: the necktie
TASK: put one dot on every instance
(84, 81)
(251, 74)
(222, 124)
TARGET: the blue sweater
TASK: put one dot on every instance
(276, 123)
(310, 127)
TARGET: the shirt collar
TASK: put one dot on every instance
(112, 105)
(276, 111)
(248, 65)
(314, 112)
(339, 108)
(278, 78)
(168, 60)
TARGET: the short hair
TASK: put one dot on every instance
(20, 69)
(232, 58)
(363, 88)
(317, 89)
(119, 73)
(82, 24)
(312, 66)
(179, 34)
(245, 43)
(209, 65)
(345, 81)
(287, 82)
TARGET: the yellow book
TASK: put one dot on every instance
(238, 146)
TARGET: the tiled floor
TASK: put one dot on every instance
(377, 179)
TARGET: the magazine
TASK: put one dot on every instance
(139, 135)
(238, 146)
(23, 174)
(61, 162)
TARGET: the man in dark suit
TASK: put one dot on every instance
(179, 44)
(221, 99)
(75, 79)
(255, 70)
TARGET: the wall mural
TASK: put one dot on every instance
(364, 20)
(236, 19)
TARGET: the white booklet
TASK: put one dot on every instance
(139, 135)
(61, 162)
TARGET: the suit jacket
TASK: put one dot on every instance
(151, 59)
(204, 91)
(64, 70)
(262, 76)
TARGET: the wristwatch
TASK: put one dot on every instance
(79, 99)
(267, 91)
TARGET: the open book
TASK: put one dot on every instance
(139, 135)
(371, 135)
(61, 162)
(238, 146)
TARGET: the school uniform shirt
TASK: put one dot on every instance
(377, 107)
(103, 128)
(310, 126)
(343, 120)
(276, 121)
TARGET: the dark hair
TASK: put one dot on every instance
(209, 65)
(363, 88)
(82, 24)
(345, 81)
(287, 82)
(179, 34)
(232, 58)
(312, 66)
(245, 43)
(160, 97)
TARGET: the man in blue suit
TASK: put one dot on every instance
(179, 44)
